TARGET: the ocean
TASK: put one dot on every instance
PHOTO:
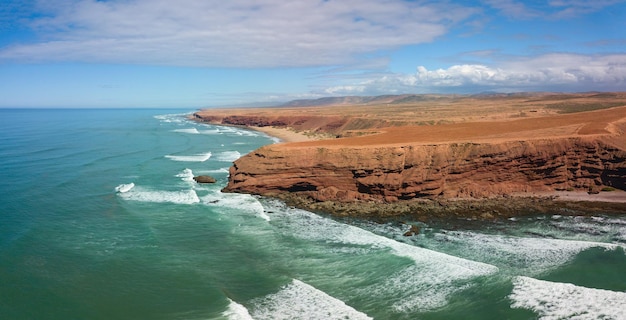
(100, 219)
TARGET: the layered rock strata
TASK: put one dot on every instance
(456, 170)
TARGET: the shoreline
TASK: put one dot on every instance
(487, 209)
(615, 196)
(480, 208)
(491, 208)
(284, 134)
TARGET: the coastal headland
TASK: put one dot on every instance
(438, 156)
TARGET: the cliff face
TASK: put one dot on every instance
(446, 170)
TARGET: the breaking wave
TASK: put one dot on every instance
(236, 311)
(528, 255)
(228, 156)
(554, 300)
(426, 284)
(202, 157)
(187, 130)
(186, 175)
(299, 300)
(237, 201)
(161, 196)
(124, 187)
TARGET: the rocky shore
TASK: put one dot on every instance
(428, 210)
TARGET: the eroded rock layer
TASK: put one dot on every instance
(449, 170)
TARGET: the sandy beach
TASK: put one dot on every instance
(617, 196)
(285, 134)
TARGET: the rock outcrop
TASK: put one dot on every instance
(451, 170)
(204, 179)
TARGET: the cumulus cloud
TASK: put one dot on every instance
(571, 72)
(236, 33)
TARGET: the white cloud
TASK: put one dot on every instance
(236, 33)
(512, 8)
(553, 9)
(569, 72)
(341, 90)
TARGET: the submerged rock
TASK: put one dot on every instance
(413, 231)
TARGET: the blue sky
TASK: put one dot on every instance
(194, 54)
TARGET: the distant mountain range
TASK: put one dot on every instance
(409, 98)
(352, 100)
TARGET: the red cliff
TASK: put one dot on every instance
(450, 170)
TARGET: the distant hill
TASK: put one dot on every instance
(355, 100)
(416, 98)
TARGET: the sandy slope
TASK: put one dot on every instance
(599, 122)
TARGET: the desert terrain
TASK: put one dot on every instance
(489, 155)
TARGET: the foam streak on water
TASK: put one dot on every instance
(235, 201)
(188, 130)
(201, 157)
(299, 300)
(531, 256)
(552, 300)
(142, 194)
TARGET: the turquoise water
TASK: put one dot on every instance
(99, 219)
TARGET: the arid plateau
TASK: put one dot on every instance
(435, 156)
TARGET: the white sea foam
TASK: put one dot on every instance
(553, 300)
(220, 170)
(299, 300)
(236, 311)
(124, 187)
(188, 130)
(238, 201)
(186, 175)
(425, 285)
(528, 255)
(210, 132)
(161, 196)
(228, 156)
(202, 157)
(246, 133)
(315, 227)
(239, 132)
(607, 229)
(169, 118)
(418, 288)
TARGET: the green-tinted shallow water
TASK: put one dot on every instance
(99, 219)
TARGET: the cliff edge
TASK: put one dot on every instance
(458, 167)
